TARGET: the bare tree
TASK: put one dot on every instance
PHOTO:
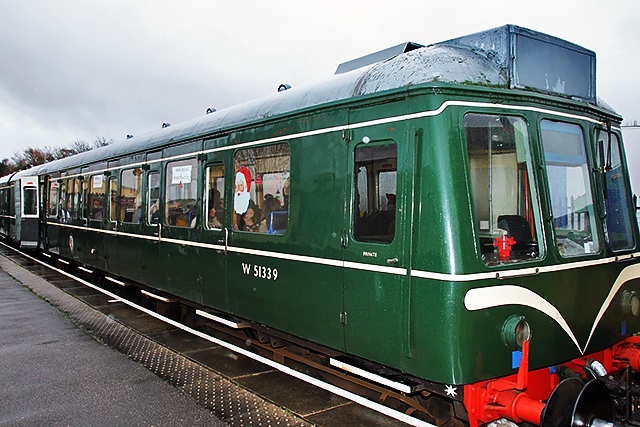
(36, 156)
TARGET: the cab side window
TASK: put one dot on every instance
(616, 192)
(507, 218)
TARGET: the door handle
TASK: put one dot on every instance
(391, 261)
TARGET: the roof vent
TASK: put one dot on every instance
(380, 56)
(211, 110)
(283, 87)
(165, 125)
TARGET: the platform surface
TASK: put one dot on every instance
(73, 356)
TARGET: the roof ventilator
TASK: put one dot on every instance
(380, 56)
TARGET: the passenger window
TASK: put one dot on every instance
(97, 197)
(261, 189)
(130, 195)
(616, 192)
(215, 196)
(375, 183)
(113, 199)
(181, 208)
(570, 189)
(153, 198)
(52, 208)
(503, 192)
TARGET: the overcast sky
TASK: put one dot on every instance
(77, 69)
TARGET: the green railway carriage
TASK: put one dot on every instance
(459, 213)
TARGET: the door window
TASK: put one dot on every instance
(153, 198)
(214, 196)
(30, 204)
(375, 190)
(113, 199)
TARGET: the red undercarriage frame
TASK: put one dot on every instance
(519, 397)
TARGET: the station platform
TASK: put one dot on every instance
(54, 373)
(73, 356)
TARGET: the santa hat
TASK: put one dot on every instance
(243, 175)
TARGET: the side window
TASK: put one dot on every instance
(375, 189)
(181, 208)
(214, 196)
(52, 208)
(569, 187)
(503, 192)
(97, 197)
(130, 195)
(616, 192)
(153, 198)
(261, 189)
(113, 199)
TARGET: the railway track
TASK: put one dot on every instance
(295, 378)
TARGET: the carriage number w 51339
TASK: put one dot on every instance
(260, 271)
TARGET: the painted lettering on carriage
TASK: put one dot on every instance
(246, 268)
(260, 271)
(370, 254)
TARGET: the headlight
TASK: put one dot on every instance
(515, 331)
(630, 303)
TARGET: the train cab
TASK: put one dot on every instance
(28, 215)
(20, 210)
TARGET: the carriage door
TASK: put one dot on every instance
(29, 212)
(375, 273)
(215, 231)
